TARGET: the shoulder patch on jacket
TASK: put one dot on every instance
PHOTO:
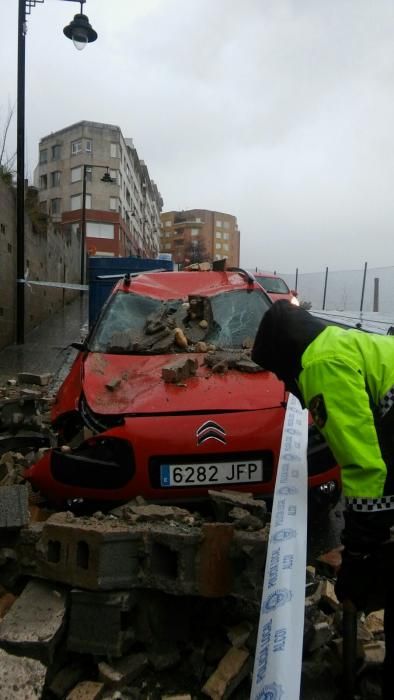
(318, 410)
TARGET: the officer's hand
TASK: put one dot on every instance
(355, 579)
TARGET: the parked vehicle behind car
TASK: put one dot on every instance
(163, 400)
(276, 287)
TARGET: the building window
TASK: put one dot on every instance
(76, 174)
(168, 223)
(44, 156)
(167, 246)
(114, 175)
(56, 152)
(218, 234)
(55, 178)
(225, 246)
(226, 236)
(219, 223)
(98, 230)
(76, 147)
(113, 203)
(197, 220)
(226, 224)
(88, 146)
(194, 231)
(43, 182)
(114, 152)
(55, 206)
(76, 202)
(218, 246)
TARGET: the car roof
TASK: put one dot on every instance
(266, 274)
(171, 285)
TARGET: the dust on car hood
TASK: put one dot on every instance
(124, 384)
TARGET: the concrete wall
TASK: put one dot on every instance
(51, 254)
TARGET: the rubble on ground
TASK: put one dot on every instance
(149, 601)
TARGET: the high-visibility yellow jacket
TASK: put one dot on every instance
(345, 379)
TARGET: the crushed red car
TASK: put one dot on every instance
(163, 400)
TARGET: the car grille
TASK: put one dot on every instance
(156, 461)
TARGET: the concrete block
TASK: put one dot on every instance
(231, 670)
(248, 554)
(171, 559)
(14, 511)
(30, 378)
(100, 622)
(87, 690)
(20, 678)
(34, 625)
(89, 553)
(66, 679)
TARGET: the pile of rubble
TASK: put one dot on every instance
(147, 601)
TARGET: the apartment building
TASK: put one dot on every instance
(199, 234)
(122, 213)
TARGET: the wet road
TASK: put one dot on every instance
(47, 347)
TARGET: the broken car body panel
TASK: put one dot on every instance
(164, 401)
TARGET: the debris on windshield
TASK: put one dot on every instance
(180, 338)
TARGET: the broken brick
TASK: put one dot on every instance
(232, 669)
(215, 565)
(86, 690)
(122, 671)
(179, 371)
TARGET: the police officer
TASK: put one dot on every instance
(345, 377)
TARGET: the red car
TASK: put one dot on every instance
(276, 287)
(164, 401)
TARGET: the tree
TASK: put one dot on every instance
(195, 252)
(7, 162)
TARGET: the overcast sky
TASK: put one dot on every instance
(280, 112)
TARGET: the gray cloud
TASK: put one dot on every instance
(277, 111)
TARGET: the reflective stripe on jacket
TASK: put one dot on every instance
(349, 368)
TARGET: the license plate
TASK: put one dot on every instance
(174, 475)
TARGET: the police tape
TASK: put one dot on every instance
(277, 664)
(60, 285)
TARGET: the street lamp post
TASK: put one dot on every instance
(106, 178)
(81, 33)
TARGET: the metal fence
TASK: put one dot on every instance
(363, 290)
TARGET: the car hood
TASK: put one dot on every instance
(119, 384)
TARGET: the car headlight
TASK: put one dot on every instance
(295, 301)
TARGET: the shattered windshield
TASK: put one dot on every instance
(135, 324)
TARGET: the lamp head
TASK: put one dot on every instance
(80, 31)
